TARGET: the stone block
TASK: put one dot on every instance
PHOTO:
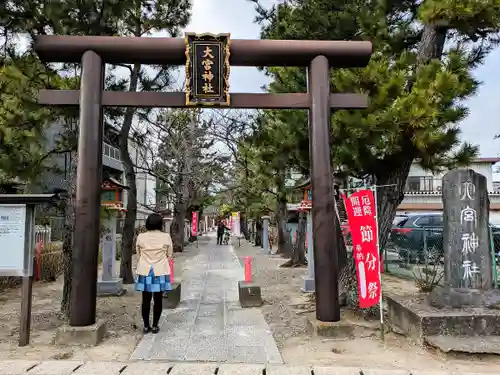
(446, 297)
(113, 287)
(211, 309)
(172, 298)
(309, 285)
(143, 349)
(288, 370)
(16, 367)
(242, 317)
(56, 368)
(146, 368)
(247, 335)
(331, 370)
(465, 241)
(385, 372)
(209, 325)
(193, 369)
(203, 348)
(94, 368)
(413, 317)
(240, 369)
(249, 294)
(464, 344)
(248, 354)
(87, 336)
(339, 330)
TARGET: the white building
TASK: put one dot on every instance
(423, 189)
(145, 182)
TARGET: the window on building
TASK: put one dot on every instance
(108, 196)
(427, 183)
(413, 183)
(420, 183)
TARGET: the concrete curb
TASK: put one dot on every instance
(25, 367)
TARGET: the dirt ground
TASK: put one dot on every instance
(121, 314)
(286, 309)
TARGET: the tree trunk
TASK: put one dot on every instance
(432, 43)
(348, 283)
(389, 197)
(177, 227)
(244, 225)
(258, 232)
(180, 210)
(131, 215)
(298, 257)
(340, 211)
(129, 223)
(392, 184)
(284, 241)
(69, 226)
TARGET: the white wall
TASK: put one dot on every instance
(486, 169)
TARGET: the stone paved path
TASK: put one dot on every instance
(209, 324)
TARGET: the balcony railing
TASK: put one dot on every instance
(432, 185)
(111, 157)
(111, 151)
(423, 184)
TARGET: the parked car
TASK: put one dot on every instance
(418, 238)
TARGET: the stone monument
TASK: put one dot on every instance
(468, 276)
(265, 234)
(463, 314)
(112, 200)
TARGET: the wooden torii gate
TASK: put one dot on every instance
(93, 52)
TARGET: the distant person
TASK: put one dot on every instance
(220, 232)
(154, 249)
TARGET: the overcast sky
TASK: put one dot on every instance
(237, 16)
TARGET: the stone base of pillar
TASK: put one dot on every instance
(249, 294)
(83, 336)
(308, 285)
(172, 298)
(113, 287)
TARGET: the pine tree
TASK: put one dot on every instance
(417, 80)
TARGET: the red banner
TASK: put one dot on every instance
(194, 223)
(361, 213)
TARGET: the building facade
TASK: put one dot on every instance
(423, 190)
(145, 182)
(58, 177)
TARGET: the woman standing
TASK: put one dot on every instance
(154, 248)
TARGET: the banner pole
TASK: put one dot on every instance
(382, 333)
